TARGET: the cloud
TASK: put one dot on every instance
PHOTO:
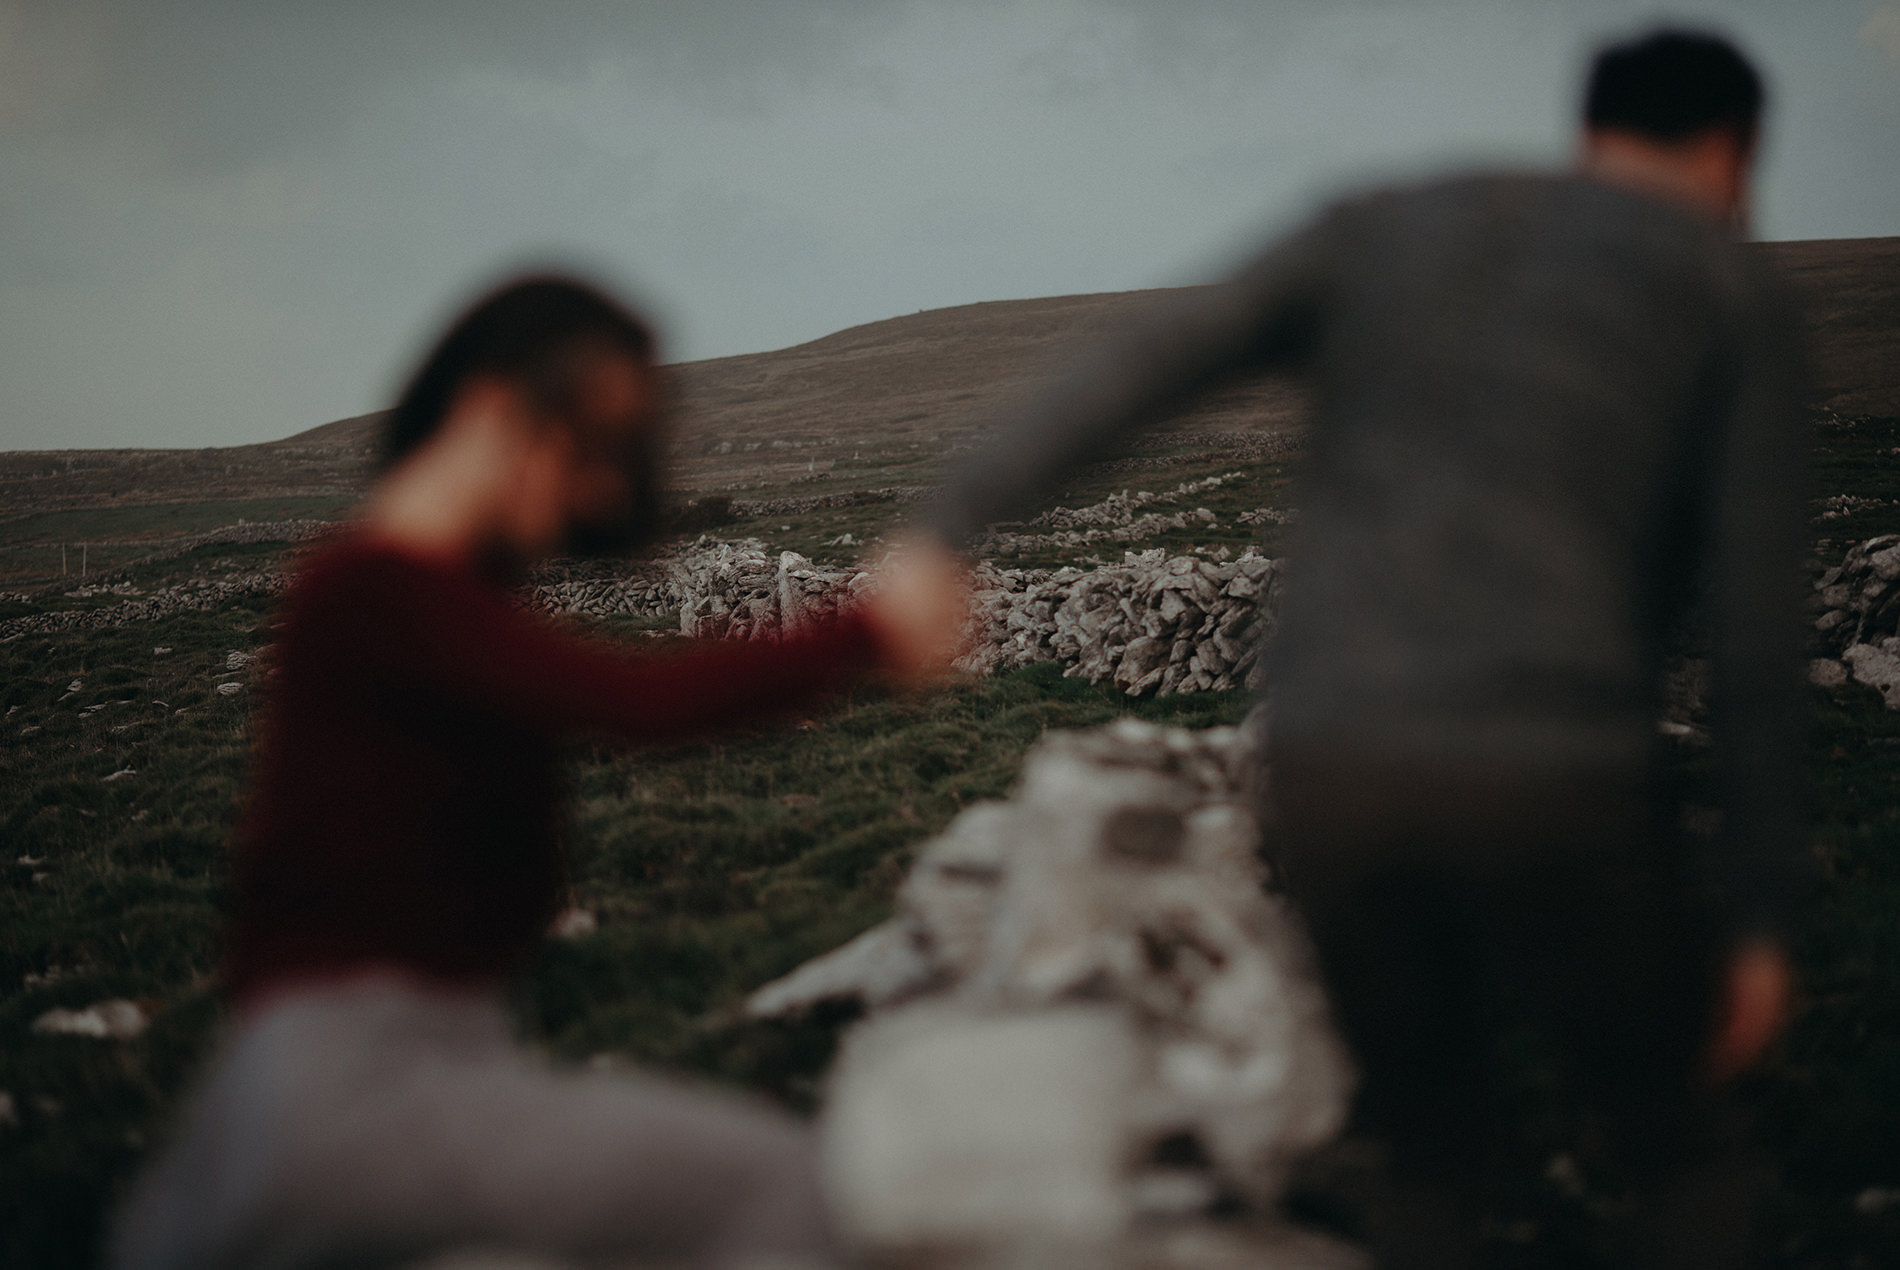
(208, 85)
(255, 209)
(1883, 31)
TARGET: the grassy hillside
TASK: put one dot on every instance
(710, 868)
(713, 868)
(890, 402)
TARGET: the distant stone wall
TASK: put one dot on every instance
(719, 588)
(1153, 624)
(195, 596)
(244, 533)
(1858, 607)
(646, 593)
(1119, 518)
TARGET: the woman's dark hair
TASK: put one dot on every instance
(528, 331)
(1673, 84)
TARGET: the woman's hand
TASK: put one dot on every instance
(919, 606)
(1754, 1005)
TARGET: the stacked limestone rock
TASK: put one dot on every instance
(1859, 603)
(1090, 1024)
(742, 590)
(642, 594)
(720, 589)
(1153, 624)
(1857, 600)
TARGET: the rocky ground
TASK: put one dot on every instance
(1089, 1026)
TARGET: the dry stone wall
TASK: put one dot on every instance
(1154, 623)
(242, 533)
(1086, 989)
(1858, 606)
(1119, 518)
(194, 596)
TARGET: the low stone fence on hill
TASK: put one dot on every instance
(644, 592)
(1858, 618)
(196, 596)
(244, 533)
(1152, 624)
(1119, 518)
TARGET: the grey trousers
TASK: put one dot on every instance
(374, 1121)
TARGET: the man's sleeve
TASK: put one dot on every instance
(1759, 535)
(1267, 313)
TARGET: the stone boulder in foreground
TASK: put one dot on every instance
(1089, 1026)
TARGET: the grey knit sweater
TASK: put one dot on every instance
(1547, 413)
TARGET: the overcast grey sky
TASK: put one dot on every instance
(228, 220)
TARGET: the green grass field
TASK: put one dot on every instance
(711, 868)
(715, 867)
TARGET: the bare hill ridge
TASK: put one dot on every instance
(852, 404)
(889, 400)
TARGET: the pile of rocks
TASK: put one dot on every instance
(1859, 618)
(720, 588)
(1153, 624)
(1858, 601)
(1089, 1018)
(242, 533)
(643, 592)
(744, 590)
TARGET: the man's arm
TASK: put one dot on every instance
(1757, 541)
(1266, 313)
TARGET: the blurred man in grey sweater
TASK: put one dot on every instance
(1549, 412)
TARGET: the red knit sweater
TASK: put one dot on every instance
(405, 801)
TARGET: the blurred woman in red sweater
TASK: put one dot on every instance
(398, 857)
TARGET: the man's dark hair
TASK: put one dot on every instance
(1672, 84)
(529, 331)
